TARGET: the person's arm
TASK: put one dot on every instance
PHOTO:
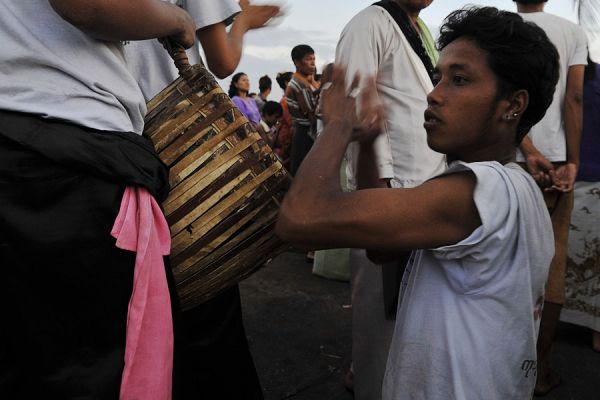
(114, 20)
(316, 213)
(223, 50)
(564, 176)
(538, 166)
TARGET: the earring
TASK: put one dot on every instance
(515, 115)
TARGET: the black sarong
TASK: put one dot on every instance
(65, 287)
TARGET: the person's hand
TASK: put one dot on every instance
(540, 169)
(255, 17)
(187, 36)
(339, 106)
(563, 178)
(371, 116)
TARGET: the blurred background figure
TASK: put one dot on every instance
(301, 98)
(239, 92)
(283, 140)
(264, 87)
(271, 115)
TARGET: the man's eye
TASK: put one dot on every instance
(459, 80)
(435, 80)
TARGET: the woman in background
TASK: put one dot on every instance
(238, 91)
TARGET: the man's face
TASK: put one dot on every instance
(414, 5)
(306, 65)
(463, 112)
(272, 119)
(243, 84)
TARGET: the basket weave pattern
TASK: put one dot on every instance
(226, 186)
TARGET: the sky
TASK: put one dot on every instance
(319, 23)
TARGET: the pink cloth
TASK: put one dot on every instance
(141, 227)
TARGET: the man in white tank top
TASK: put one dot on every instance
(471, 297)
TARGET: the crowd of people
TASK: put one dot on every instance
(456, 179)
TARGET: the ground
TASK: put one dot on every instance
(299, 328)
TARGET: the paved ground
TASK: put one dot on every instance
(299, 331)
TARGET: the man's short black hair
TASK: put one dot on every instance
(518, 52)
(264, 83)
(283, 78)
(530, 1)
(272, 108)
(300, 51)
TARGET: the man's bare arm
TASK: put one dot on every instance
(317, 214)
(564, 177)
(574, 112)
(538, 166)
(115, 20)
(223, 49)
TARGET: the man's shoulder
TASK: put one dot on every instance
(550, 21)
(370, 16)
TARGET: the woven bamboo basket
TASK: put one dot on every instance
(226, 184)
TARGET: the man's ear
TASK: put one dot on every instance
(517, 103)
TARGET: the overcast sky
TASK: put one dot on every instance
(319, 23)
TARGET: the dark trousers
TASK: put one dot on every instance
(214, 360)
(301, 145)
(64, 286)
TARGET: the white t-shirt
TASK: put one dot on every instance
(468, 313)
(373, 45)
(149, 62)
(51, 69)
(548, 135)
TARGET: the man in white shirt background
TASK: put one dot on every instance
(551, 155)
(374, 44)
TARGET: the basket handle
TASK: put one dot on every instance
(179, 56)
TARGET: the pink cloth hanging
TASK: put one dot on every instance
(141, 227)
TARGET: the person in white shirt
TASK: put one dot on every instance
(550, 152)
(471, 297)
(71, 118)
(374, 44)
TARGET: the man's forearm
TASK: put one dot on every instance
(115, 20)
(315, 186)
(320, 170)
(573, 127)
(573, 112)
(527, 147)
(223, 49)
